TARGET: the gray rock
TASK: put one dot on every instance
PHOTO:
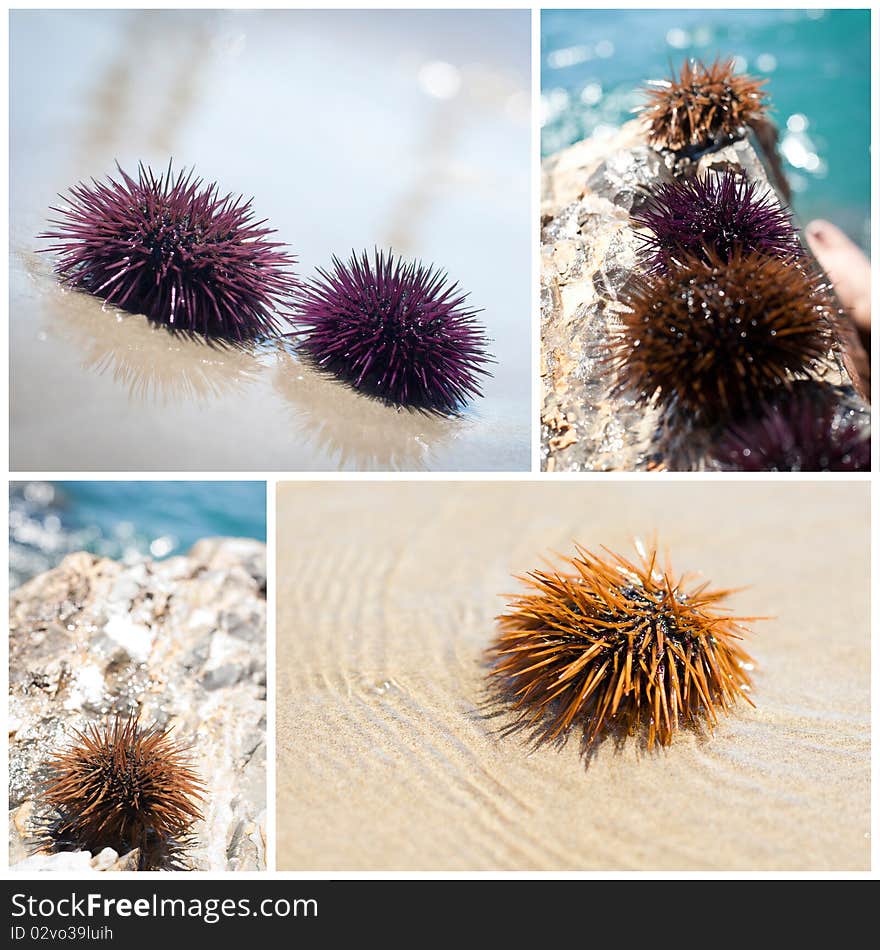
(588, 252)
(183, 641)
(226, 675)
(228, 553)
(239, 625)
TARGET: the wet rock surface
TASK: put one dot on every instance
(182, 641)
(588, 253)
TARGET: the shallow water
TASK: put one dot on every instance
(351, 130)
(125, 520)
(816, 62)
(390, 755)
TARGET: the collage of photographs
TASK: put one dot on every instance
(440, 442)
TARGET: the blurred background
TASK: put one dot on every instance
(351, 129)
(125, 521)
(817, 63)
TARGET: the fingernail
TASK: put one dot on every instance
(816, 231)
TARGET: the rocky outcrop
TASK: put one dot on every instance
(182, 640)
(588, 252)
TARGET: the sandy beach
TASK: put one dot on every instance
(390, 757)
(408, 131)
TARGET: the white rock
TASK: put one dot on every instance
(134, 638)
(65, 862)
(104, 859)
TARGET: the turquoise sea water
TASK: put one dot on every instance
(817, 63)
(125, 520)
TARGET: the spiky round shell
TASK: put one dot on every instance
(121, 784)
(712, 338)
(394, 329)
(721, 211)
(703, 106)
(175, 250)
(806, 430)
(622, 646)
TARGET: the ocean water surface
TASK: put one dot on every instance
(125, 520)
(816, 63)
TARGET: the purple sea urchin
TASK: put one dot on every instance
(123, 786)
(612, 642)
(396, 330)
(175, 250)
(704, 106)
(805, 430)
(714, 337)
(723, 212)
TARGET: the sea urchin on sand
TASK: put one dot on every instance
(619, 645)
(174, 250)
(713, 337)
(122, 786)
(703, 107)
(396, 330)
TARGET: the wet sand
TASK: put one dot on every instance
(338, 125)
(388, 757)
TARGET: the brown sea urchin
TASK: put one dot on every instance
(705, 106)
(123, 786)
(713, 337)
(616, 644)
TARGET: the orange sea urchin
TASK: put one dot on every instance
(705, 106)
(123, 786)
(619, 644)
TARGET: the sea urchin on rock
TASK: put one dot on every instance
(713, 337)
(175, 250)
(123, 786)
(396, 330)
(806, 430)
(706, 106)
(723, 212)
(617, 644)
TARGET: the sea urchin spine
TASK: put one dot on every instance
(714, 337)
(174, 250)
(704, 107)
(123, 786)
(395, 330)
(722, 211)
(806, 430)
(618, 645)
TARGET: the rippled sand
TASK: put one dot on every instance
(388, 757)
